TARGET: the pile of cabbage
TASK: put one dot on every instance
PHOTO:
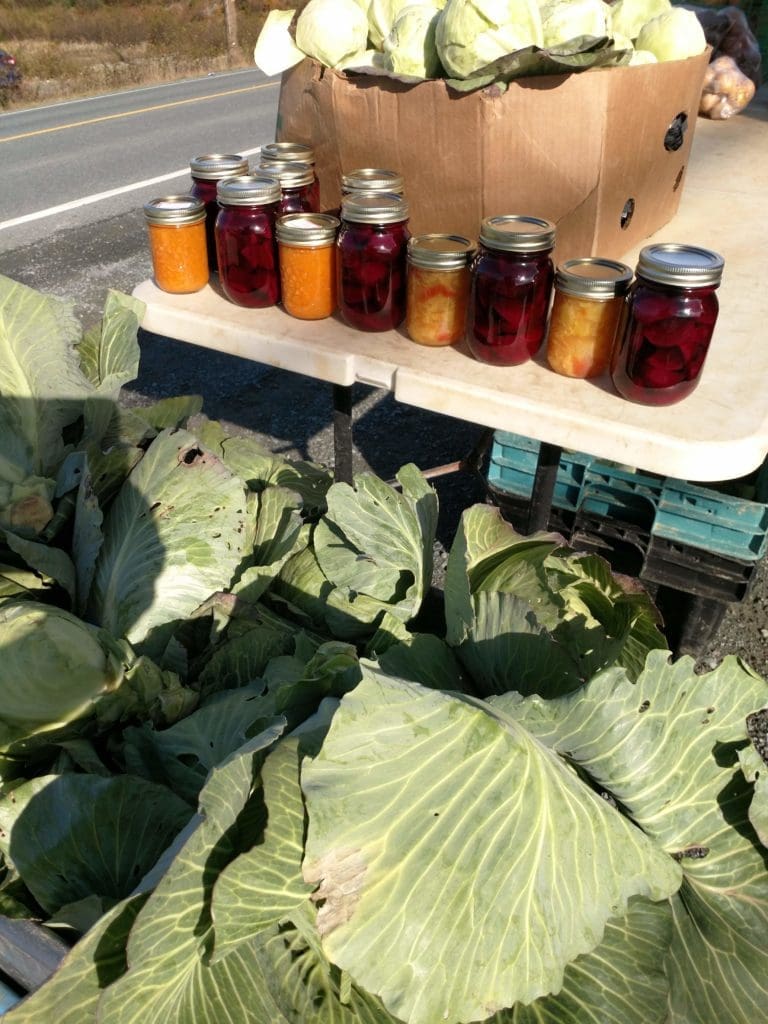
(467, 40)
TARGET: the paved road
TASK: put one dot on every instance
(74, 178)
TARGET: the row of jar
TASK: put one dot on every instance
(653, 334)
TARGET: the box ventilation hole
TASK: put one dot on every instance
(627, 213)
(673, 137)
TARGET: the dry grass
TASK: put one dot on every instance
(68, 50)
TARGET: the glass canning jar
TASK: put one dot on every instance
(176, 227)
(246, 245)
(207, 171)
(372, 261)
(511, 288)
(297, 181)
(281, 152)
(371, 179)
(667, 324)
(437, 288)
(586, 308)
(307, 248)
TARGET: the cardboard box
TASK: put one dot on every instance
(585, 150)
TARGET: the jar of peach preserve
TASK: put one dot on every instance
(246, 244)
(372, 247)
(176, 226)
(586, 309)
(279, 152)
(437, 288)
(667, 324)
(307, 247)
(511, 288)
(207, 171)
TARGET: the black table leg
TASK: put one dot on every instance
(342, 433)
(543, 487)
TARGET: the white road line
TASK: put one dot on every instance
(99, 196)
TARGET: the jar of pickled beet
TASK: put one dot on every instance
(586, 308)
(176, 226)
(437, 288)
(307, 247)
(246, 243)
(297, 181)
(207, 171)
(371, 179)
(372, 250)
(667, 324)
(281, 152)
(511, 288)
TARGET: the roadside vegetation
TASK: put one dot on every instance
(65, 50)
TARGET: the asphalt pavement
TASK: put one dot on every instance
(288, 413)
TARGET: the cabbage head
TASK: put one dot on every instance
(673, 36)
(382, 15)
(473, 33)
(562, 20)
(410, 46)
(331, 31)
(629, 16)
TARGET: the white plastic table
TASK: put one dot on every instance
(719, 432)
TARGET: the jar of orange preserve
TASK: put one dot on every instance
(176, 226)
(307, 251)
(589, 298)
(437, 289)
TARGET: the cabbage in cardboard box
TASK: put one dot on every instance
(603, 153)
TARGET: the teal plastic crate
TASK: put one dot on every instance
(671, 510)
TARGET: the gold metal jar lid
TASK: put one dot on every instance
(214, 166)
(307, 230)
(290, 173)
(288, 151)
(512, 232)
(174, 210)
(682, 266)
(372, 179)
(593, 278)
(249, 190)
(374, 208)
(440, 252)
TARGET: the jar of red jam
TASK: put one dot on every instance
(297, 184)
(372, 252)
(667, 323)
(511, 288)
(246, 243)
(207, 171)
(371, 179)
(281, 152)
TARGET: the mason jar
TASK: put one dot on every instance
(511, 288)
(176, 227)
(372, 247)
(372, 179)
(293, 152)
(246, 244)
(207, 171)
(297, 185)
(586, 309)
(437, 288)
(667, 324)
(307, 247)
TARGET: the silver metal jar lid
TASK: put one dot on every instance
(214, 166)
(593, 278)
(440, 252)
(512, 232)
(290, 173)
(374, 208)
(174, 210)
(288, 151)
(249, 190)
(307, 230)
(372, 179)
(683, 266)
